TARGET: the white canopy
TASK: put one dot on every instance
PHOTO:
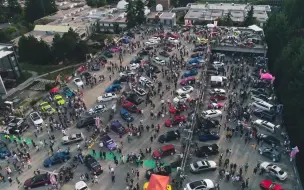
(210, 25)
(255, 28)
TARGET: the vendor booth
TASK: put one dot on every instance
(158, 182)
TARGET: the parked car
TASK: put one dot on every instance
(127, 73)
(218, 91)
(270, 153)
(190, 73)
(77, 137)
(188, 81)
(202, 166)
(269, 139)
(78, 82)
(215, 105)
(113, 88)
(164, 53)
(134, 98)
(130, 106)
(162, 170)
(37, 181)
(108, 142)
(68, 92)
(274, 170)
(182, 98)
(47, 108)
(107, 97)
(269, 185)
(59, 100)
(216, 98)
(145, 82)
(175, 121)
(117, 127)
(185, 90)
(163, 151)
(195, 60)
(169, 136)
(207, 150)
(212, 114)
(198, 49)
(84, 122)
(204, 184)
(208, 137)
(36, 118)
(263, 114)
(178, 109)
(97, 109)
(57, 158)
(140, 91)
(93, 165)
(125, 115)
(218, 64)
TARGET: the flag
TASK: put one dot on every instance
(294, 151)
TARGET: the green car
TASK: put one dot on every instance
(47, 108)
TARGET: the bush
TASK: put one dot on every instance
(48, 86)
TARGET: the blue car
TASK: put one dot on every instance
(194, 60)
(125, 40)
(126, 115)
(4, 151)
(208, 137)
(56, 158)
(190, 73)
(68, 92)
(113, 88)
(117, 127)
(108, 142)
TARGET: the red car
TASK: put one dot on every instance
(164, 151)
(179, 108)
(130, 106)
(217, 97)
(215, 105)
(176, 120)
(172, 35)
(269, 185)
(37, 181)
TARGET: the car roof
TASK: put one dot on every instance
(167, 147)
(123, 111)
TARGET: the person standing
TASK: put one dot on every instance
(113, 178)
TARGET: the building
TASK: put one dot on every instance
(238, 12)
(166, 18)
(9, 68)
(165, 3)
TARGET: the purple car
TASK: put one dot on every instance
(117, 127)
(108, 142)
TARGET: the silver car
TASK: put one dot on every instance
(201, 166)
(77, 137)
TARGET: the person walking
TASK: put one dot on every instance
(113, 178)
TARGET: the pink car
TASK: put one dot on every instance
(115, 49)
(187, 81)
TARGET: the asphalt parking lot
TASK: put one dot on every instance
(242, 152)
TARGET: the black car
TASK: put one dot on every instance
(169, 136)
(162, 170)
(120, 80)
(269, 139)
(152, 68)
(18, 129)
(265, 115)
(84, 122)
(198, 49)
(195, 55)
(210, 123)
(209, 72)
(164, 53)
(148, 48)
(134, 98)
(87, 75)
(207, 150)
(258, 91)
(143, 52)
(92, 164)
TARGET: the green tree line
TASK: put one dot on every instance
(284, 35)
(65, 47)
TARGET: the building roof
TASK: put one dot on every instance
(52, 28)
(5, 53)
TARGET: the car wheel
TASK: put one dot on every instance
(261, 152)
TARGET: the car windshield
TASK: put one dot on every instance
(83, 188)
(195, 165)
(35, 117)
(281, 172)
(77, 80)
(160, 151)
(95, 165)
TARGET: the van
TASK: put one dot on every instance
(266, 125)
(263, 106)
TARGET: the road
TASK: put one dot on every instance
(241, 152)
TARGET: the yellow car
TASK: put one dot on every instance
(46, 107)
(59, 100)
(202, 40)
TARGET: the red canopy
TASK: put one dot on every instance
(158, 182)
(54, 90)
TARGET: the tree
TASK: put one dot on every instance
(131, 15)
(151, 3)
(140, 12)
(36, 9)
(249, 19)
(14, 8)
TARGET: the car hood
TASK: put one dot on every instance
(168, 122)
(65, 138)
(28, 182)
(212, 164)
(161, 137)
(38, 121)
(112, 146)
(210, 183)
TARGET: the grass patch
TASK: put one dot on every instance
(63, 74)
(40, 69)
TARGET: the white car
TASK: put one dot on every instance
(77, 137)
(159, 61)
(172, 40)
(212, 113)
(97, 109)
(204, 184)
(36, 118)
(151, 43)
(260, 98)
(134, 66)
(218, 91)
(185, 90)
(182, 98)
(154, 38)
(81, 185)
(140, 91)
(274, 170)
(146, 82)
(78, 82)
(107, 97)
(127, 73)
(266, 125)
(201, 166)
(218, 64)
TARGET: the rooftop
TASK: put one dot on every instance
(167, 15)
(5, 53)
